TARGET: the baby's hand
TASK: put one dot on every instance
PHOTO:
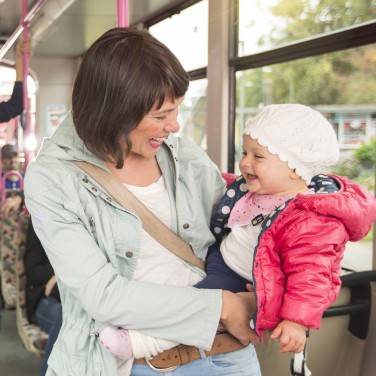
(292, 336)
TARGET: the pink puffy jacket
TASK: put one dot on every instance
(296, 269)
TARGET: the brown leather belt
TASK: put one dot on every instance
(182, 354)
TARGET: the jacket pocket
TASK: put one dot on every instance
(63, 364)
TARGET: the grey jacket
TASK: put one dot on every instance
(93, 245)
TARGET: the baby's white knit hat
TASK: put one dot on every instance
(298, 135)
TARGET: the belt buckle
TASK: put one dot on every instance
(160, 370)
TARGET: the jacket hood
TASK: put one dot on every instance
(349, 202)
(65, 144)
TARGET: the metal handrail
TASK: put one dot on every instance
(352, 280)
(359, 307)
(16, 33)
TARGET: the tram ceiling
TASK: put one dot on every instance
(66, 28)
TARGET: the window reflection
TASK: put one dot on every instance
(192, 112)
(266, 24)
(186, 35)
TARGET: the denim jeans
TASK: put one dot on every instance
(242, 362)
(49, 318)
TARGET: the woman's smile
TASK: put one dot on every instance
(154, 128)
(156, 142)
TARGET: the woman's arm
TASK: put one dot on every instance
(236, 315)
(13, 107)
(23, 46)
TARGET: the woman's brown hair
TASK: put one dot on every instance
(120, 78)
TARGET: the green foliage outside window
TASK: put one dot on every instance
(340, 78)
(361, 166)
(366, 153)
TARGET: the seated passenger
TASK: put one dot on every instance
(11, 162)
(43, 306)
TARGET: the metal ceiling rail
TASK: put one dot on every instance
(26, 20)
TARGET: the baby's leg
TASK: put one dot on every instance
(144, 346)
(117, 342)
(220, 276)
(125, 344)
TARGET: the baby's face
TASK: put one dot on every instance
(265, 173)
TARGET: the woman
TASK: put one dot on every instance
(110, 272)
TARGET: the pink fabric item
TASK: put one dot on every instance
(229, 177)
(117, 342)
(253, 204)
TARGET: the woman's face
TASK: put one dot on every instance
(154, 128)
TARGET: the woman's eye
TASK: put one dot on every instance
(244, 153)
(161, 117)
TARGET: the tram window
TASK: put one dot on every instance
(266, 24)
(192, 112)
(186, 35)
(341, 85)
(7, 77)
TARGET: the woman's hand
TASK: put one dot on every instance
(11, 204)
(23, 46)
(236, 315)
(249, 299)
(49, 286)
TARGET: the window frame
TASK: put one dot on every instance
(342, 39)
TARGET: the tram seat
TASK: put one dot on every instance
(8, 244)
(33, 338)
(8, 259)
